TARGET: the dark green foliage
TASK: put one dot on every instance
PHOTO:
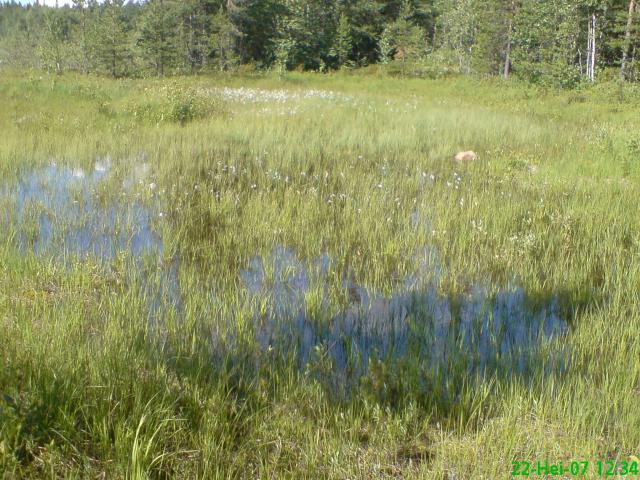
(256, 23)
(308, 29)
(110, 38)
(195, 25)
(158, 35)
(222, 41)
(542, 41)
(402, 39)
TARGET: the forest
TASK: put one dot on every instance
(554, 42)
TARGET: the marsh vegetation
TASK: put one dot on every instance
(289, 276)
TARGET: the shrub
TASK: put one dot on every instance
(174, 103)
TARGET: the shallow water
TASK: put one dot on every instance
(73, 221)
(59, 214)
(479, 332)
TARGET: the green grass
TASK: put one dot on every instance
(92, 388)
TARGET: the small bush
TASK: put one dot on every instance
(176, 104)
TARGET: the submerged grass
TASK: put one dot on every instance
(150, 365)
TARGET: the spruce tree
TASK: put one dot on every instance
(342, 48)
(223, 41)
(258, 28)
(402, 39)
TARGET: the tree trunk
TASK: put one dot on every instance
(627, 37)
(85, 53)
(591, 49)
(507, 57)
(511, 12)
(162, 39)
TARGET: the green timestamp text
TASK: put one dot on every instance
(602, 468)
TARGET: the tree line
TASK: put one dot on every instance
(562, 42)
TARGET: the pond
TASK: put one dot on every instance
(59, 213)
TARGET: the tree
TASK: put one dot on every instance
(457, 26)
(627, 37)
(158, 35)
(547, 41)
(81, 33)
(342, 48)
(222, 42)
(402, 39)
(195, 24)
(257, 30)
(546, 37)
(307, 32)
(360, 24)
(110, 38)
(591, 49)
(21, 34)
(493, 38)
(55, 39)
(511, 13)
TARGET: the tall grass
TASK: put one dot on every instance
(106, 375)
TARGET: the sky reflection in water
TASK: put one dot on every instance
(59, 214)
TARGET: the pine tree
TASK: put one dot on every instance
(158, 35)
(110, 38)
(194, 48)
